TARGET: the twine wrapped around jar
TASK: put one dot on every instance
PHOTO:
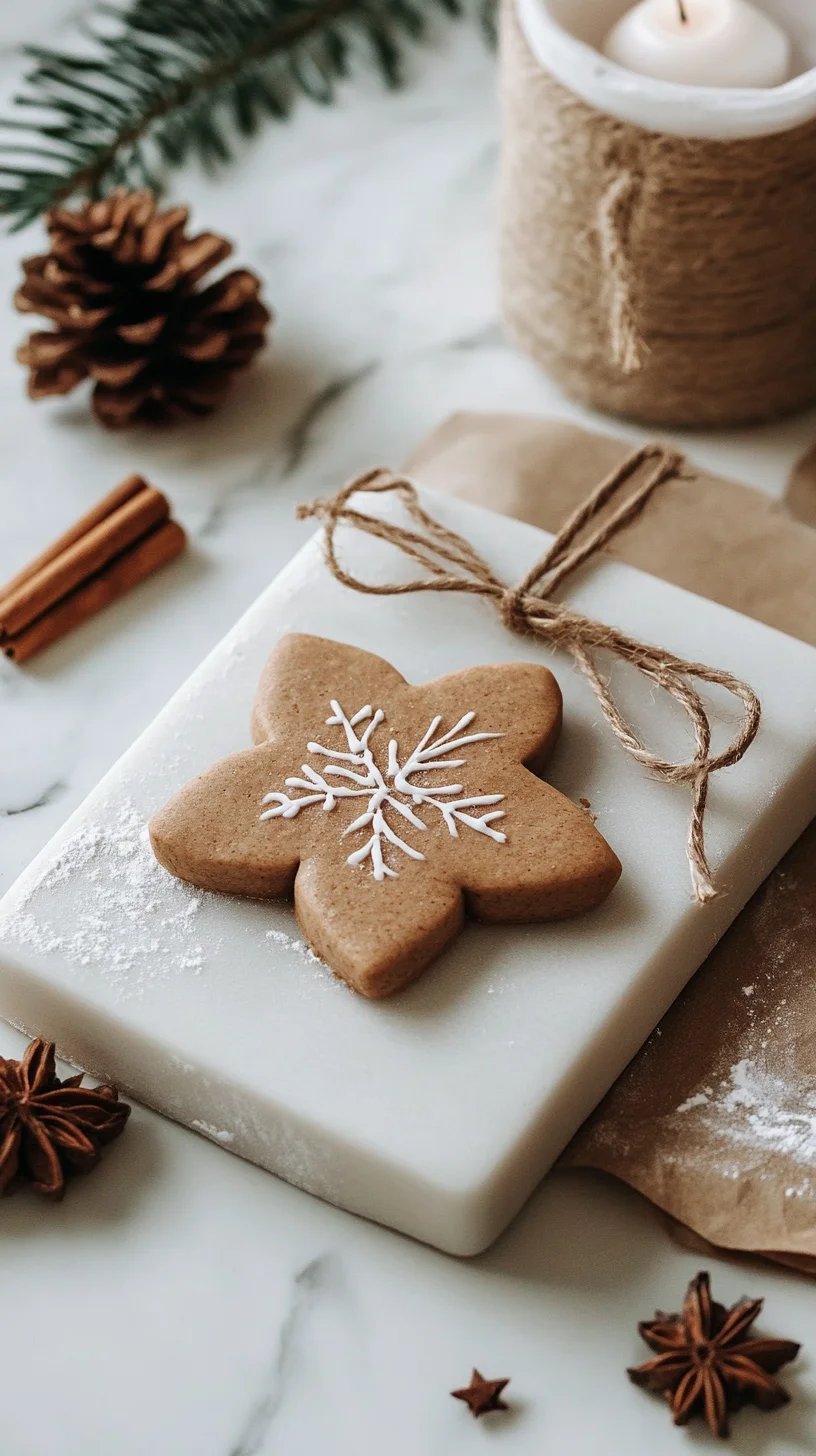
(668, 278)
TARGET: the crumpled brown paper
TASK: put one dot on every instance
(715, 1119)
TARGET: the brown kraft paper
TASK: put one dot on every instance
(715, 1119)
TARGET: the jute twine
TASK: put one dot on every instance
(453, 565)
(661, 277)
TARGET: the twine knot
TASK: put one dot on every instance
(513, 610)
(454, 565)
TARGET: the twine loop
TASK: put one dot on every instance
(616, 209)
(454, 565)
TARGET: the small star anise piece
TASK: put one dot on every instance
(482, 1395)
(705, 1363)
(50, 1129)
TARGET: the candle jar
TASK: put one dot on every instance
(657, 240)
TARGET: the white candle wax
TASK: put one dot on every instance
(701, 43)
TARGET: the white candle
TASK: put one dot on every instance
(701, 43)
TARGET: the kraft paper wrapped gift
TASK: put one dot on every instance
(715, 1119)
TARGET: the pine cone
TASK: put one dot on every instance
(120, 284)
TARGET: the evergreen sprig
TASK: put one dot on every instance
(145, 88)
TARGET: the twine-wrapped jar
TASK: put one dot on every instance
(658, 242)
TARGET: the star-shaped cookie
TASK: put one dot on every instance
(388, 809)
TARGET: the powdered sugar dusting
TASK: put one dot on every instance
(700, 1099)
(761, 1103)
(753, 1108)
(105, 902)
(698, 1114)
(299, 947)
(215, 1134)
(125, 915)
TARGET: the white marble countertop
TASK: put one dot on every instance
(180, 1302)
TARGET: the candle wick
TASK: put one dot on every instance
(683, 12)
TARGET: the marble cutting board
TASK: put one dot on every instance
(437, 1112)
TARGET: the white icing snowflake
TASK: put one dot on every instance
(362, 778)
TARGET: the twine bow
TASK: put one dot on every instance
(453, 565)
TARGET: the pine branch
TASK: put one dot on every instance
(149, 87)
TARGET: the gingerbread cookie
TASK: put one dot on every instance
(389, 809)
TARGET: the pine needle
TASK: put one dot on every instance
(142, 90)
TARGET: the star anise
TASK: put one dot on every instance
(49, 1128)
(705, 1363)
(482, 1396)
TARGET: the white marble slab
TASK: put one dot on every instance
(186, 1304)
(436, 1113)
(181, 1303)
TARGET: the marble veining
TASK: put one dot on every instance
(182, 1303)
(306, 1287)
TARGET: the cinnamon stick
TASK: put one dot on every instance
(83, 558)
(164, 542)
(104, 508)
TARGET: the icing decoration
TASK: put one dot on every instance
(362, 778)
(409, 789)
